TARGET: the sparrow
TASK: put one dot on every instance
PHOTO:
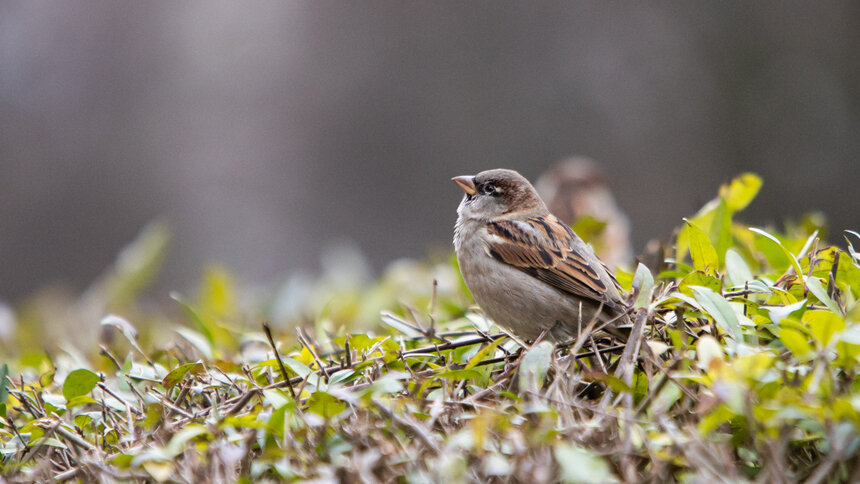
(527, 270)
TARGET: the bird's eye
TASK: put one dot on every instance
(490, 189)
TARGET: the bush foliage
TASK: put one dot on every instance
(740, 367)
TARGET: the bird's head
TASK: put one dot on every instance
(494, 193)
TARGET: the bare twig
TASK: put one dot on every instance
(284, 374)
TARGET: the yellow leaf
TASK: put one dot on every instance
(702, 252)
(823, 325)
(741, 191)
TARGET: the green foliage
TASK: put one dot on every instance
(745, 370)
(79, 382)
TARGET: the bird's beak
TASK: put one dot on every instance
(467, 183)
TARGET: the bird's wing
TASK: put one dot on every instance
(547, 249)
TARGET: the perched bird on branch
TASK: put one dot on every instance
(528, 271)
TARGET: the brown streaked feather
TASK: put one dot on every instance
(545, 249)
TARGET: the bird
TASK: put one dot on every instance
(526, 269)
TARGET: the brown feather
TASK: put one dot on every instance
(548, 253)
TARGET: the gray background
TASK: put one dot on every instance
(265, 131)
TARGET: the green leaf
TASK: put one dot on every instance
(721, 230)
(589, 229)
(796, 342)
(80, 400)
(848, 274)
(400, 325)
(153, 415)
(579, 465)
(737, 270)
(741, 191)
(817, 289)
(277, 398)
(342, 376)
(53, 442)
(388, 383)
(79, 382)
(702, 252)
(535, 364)
(484, 352)
(177, 374)
(4, 390)
(462, 374)
(123, 461)
(779, 313)
(719, 309)
(667, 397)
(83, 419)
(325, 404)
(643, 282)
(721, 415)
(301, 370)
(698, 278)
(753, 366)
(615, 384)
(361, 343)
(823, 325)
(791, 259)
(624, 278)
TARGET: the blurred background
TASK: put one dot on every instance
(264, 133)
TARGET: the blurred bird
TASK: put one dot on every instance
(528, 270)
